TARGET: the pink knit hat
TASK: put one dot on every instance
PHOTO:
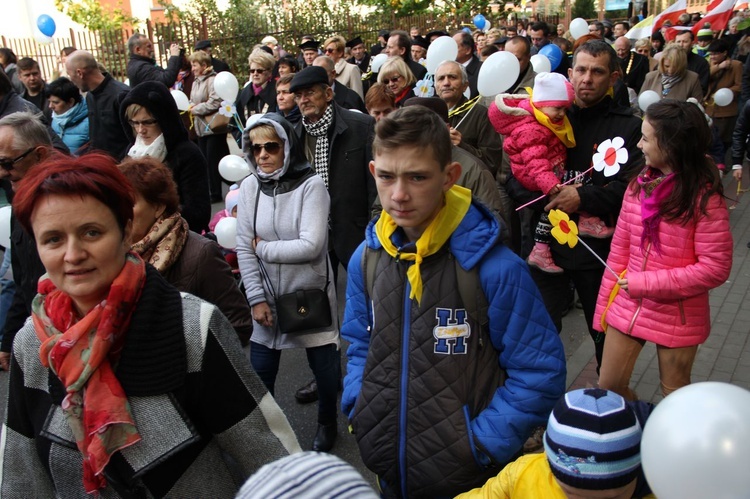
(552, 90)
(232, 197)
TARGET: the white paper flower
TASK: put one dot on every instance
(609, 156)
(227, 108)
(424, 88)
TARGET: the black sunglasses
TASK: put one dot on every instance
(259, 71)
(393, 79)
(270, 147)
(8, 164)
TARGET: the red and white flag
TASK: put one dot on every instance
(718, 14)
(672, 14)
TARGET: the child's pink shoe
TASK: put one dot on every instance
(541, 258)
(594, 227)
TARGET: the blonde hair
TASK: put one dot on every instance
(337, 40)
(677, 59)
(202, 58)
(642, 43)
(262, 59)
(133, 109)
(396, 65)
(264, 133)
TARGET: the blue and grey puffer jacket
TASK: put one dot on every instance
(438, 404)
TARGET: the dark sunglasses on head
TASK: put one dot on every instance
(270, 147)
(8, 164)
(259, 71)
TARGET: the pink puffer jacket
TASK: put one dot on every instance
(537, 156)
(667, 302)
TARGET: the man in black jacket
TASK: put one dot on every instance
(103, 98)
(142, 65)
(24, 143)
(634, 66)
(595, 118)
(695, 62)
(360, 57)
(399, 44)
(468, 59)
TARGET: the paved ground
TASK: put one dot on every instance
(724, 357)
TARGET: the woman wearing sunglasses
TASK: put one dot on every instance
(152, 122)
(282, 248)
(398, 78)
(259, 95)
(347, 74)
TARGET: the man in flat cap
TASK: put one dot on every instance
(218, 64)
(359, 57)
(338, 143)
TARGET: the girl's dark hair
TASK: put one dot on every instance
(10, 57)
(64, 89)
(683, 135)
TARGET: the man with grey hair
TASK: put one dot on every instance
(342, 95)
(103, 97)
(142, 65)
(470, 127)
(24, 143)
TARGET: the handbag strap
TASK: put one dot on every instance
(264, 273)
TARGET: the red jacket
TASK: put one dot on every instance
(667, 297)
(537, 156)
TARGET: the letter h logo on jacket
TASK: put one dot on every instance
(451, 331)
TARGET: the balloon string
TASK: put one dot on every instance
(237, 120)
(564, 183)
(467, 112)
(617, 277)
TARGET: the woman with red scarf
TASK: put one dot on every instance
(120, 385)
(671, 246)
(398, 78)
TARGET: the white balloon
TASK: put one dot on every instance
(487, 26)
(578, 28)
(233, 168)
(723, 97)
(441, 49)
(180, 99)
(226, 86)
(5, 213)
(226, 232)
(498, 72)
(697, 443)
(540, 63)
(377, 62)
(647, 98)
(42, 39)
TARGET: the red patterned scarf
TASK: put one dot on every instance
(655, 187)
(81, 353)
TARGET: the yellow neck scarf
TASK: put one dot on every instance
(457, 202)
(563, 131)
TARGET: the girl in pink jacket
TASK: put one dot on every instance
(537, 134)
(672, 244)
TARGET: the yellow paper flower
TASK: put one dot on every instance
(564, 230)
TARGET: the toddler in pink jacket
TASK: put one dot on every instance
(537, 134)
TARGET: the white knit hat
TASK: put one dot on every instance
(553, 90)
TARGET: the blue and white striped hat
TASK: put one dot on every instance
(593, 440)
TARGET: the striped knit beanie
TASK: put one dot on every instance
(593, 440)
(307, 475)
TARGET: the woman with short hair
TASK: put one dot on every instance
(70, 114)
(673, 80)
(347, 74)
(121, 385)
(398, 78)
(259, 95)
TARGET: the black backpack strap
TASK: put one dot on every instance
(472, 296)
(370, 259)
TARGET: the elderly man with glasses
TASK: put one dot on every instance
(24, 143)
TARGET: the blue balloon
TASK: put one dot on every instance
(467, 29)
(480, 21)
(46, 25)
(553, 53)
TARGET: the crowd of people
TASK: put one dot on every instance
(455, 216)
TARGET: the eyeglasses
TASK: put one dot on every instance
(330, 51)
(148, 122)
(393, 79)
(8, 164)
(258, 71)
(270, 147)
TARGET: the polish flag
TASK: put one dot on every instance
(718, 14)
(672, 13)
